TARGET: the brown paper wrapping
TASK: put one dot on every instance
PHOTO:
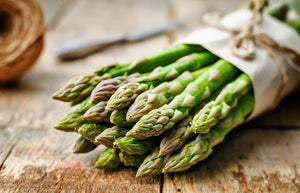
(263, 71)
(21, 37)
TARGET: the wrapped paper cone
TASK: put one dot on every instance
(21, 37)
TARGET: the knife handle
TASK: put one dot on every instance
(81, 48)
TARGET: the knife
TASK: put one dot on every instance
(82, 48)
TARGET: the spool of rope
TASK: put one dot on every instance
(21, 37)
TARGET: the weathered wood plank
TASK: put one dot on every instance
(42, 161)
(53, 10)
(286, 114)
(250, 160)
(36, 158)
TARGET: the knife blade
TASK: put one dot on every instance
(82, 48)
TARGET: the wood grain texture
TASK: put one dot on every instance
(33, 156)
(42, 161)
(250, 160)
(54, 10)
(262, 156)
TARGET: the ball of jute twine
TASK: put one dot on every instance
(244, 41)
(21, 37)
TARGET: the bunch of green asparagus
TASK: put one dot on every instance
(162, 113)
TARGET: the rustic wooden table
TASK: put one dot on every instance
(261, 156)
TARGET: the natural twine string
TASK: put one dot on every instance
(21, 37)
(244, 41)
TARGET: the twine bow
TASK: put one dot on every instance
(244, 41)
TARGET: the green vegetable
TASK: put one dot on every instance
(159, 120)
(78, 88)
(131, 160)
(90, 130)
(198, 149)
(160, 95)
(108, 136)
(127, 93)
(106, 88)
(134, 146)
(219, 108)
(118, 117)
(152, 164)
(109, 159)
(83, 145)
(74, 120)
(177, 136)
(97, 113)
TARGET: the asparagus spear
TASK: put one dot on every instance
(131, 160)
(74, 120)
(83, 145)
(295, 23)
(80, 87)
(198, 149)
(90, 130)
(126, 94)
(97, 113)
(118, 117)
(190, 62)
(178, 135)
(134, 146)
(160, 95)
(152, 164)
(158, 120)
(279, 11)
(69, 123)
(174, 139)
(104, 90)
(217, 109)
(108, 136)
(109, 159)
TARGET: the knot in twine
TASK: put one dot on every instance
(244, 41)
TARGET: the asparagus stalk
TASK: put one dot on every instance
(279, 11)
(126, 94)
(295, 24)
(97, 113)
(178, 135)
(70, 122)
(131, 160)
(90, 130)
(79, 88)
(106, 88)
(83, 145)
(217, 109)
(152, 164)
(74, 120)
(118, 117)
(176, 138)
(198, 149)
(190, 62)
(108, 136)
(158, 120)
(160, 95)
(134, 146)
(109, 159)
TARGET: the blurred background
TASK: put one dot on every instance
(32, 150)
